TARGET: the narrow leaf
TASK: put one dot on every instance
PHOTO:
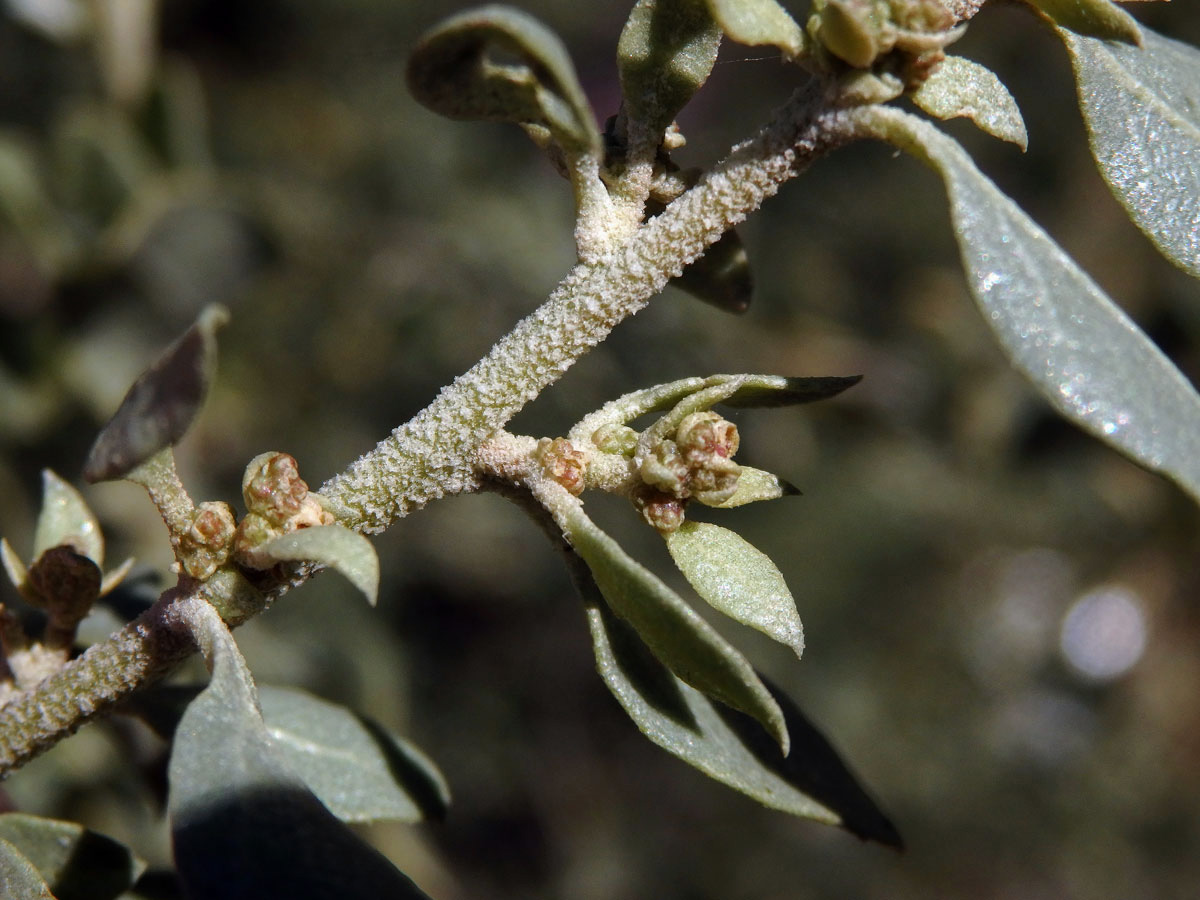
(754, 485)
(65, 518)
(452, 73)
(1142, 108)
(1095, 18)
(336, 546)
(738, 580)
(666, 52)
(15, 569)
(961, 87)
(243, 826)
(18, 876)
(812, 781)
(674, 632)
(1058, 328)
(758, 22)
(161, 404)
(76, 863)
(772, 391)
(359, 770)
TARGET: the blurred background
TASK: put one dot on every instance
(1001, 614)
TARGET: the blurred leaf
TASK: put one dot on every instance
(18, 877)
(336, 546)
(674, 632)
(1142, 108)
(359, 770)
(76, 863)
(1058, 328)
(773, 391)
(666, 52)
(1095, 18)
(757, 22)
(452, 73)
(65, 518)
(960, 87)
(15, 569)
(754, 485)
(161, 404)
(811, 782)
(244, 827)
(737, 579)
(722, 276)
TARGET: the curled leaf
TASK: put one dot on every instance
(737, 579)
(1142, 109)
(358, 769)
(666, 52)
(454, 73)
(65, 518)
(961, 87)
(73, 861)
(1082, 353)
(336, 546)
(161, 404)
(812, 781)
(674, 632)
(754, 485)
(758, 22)
(1095, 18)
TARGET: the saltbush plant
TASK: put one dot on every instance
(262, 781)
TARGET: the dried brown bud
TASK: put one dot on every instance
(207, 544)
(662, 512)
(561, 462)
(273, 488)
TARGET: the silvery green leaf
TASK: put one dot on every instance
(452, 73)
(961, 87)
(674, 632)
(77, 864)
(666, 52)
(1096, 18)
(65, 518)
(758, 22)
(1085, 356)
(18, 876)
(737, 579)
(1142, 108)
(243, 826)
(336, 546)
(162, 402)
(754, 485)
(812, 781)
(358, 769)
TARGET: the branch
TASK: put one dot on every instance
(434, 454)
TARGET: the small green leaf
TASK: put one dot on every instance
(243, 826)
(1084, 355)
(754, 485)
(18, 876)
(335, 546)
(161, 404)
(666, 52)
(737, 579)
(1094, 18)
(358, 769)
(722, 276)
(1142, 108)
(960, 87)
(758, 22)
(66, 519)
(812, 781)
(76, 863)
(673, 631)
(452, 73)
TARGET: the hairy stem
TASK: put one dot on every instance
(434, 453)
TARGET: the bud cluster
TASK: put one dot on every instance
(561, 462)
(697, 464)
(278, 502)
